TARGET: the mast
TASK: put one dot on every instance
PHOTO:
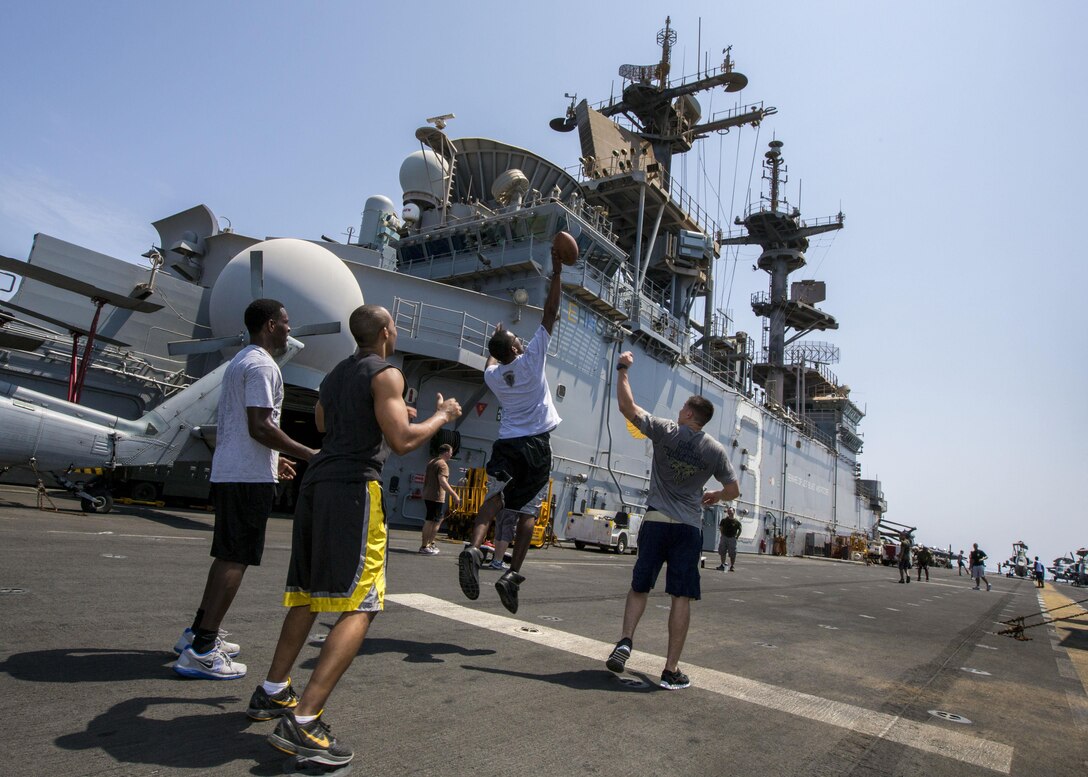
(784, 237)
(628, 145)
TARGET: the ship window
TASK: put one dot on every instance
(538, 225)
(494, 235)
(439, 247)
(411, 253)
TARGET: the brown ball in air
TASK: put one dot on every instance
(566, 247)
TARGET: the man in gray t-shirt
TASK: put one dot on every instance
(684, 459)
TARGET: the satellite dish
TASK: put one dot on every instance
(562, 124)
(436, 140)
(509, 187)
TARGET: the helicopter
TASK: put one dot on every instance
(61, 437)
(54, 436)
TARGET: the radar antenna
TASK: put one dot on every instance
(666, 39)
(440, 121)
(667, 115)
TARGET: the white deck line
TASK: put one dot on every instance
(920, 736)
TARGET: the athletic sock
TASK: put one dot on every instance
(204, 640)
(272, 688)
(302, 720)
(197, 621)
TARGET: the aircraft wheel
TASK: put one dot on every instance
(100, 504)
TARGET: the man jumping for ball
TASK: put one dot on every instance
(521, 458)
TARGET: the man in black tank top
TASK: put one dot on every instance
(361, 409)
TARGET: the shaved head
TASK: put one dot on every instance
(367, 322)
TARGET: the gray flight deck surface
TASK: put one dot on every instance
(799, 666)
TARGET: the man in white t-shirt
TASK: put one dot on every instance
(521, 457)
(245, 470)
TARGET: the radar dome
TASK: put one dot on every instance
(314, 286)
(423, 178)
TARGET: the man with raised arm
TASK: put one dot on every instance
(338, 545)
(684, 459)
(521, 458)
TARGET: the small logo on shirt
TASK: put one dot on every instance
(508, 378)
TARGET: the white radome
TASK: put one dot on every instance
(314, 286)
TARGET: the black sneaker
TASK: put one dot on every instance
(468, 572)
(617, 660)
(313, 741)
(507, 586)
(265, 707)
(674, 681)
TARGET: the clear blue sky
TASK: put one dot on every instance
(949, 134)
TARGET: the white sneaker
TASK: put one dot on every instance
(213, 665)
(186, 639)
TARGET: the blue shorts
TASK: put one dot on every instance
(678, 545)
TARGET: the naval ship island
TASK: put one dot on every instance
(470, 247)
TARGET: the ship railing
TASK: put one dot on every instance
(788, 363)
(117, 362)
(498, 241)
(824, 221)
(727, 67)
(689, 205)
(763, 206)
(591, 214)
(805, 425)
(661, 178)
(446, 326)
(655, 293)
(614, 290)
(727, 373)
(655, 318)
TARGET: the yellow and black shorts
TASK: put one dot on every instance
(338, 548)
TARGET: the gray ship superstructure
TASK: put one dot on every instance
(469, 248)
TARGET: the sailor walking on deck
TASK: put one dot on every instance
(904, 556)
(729, 528)
(977, 559)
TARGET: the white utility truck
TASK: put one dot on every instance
(605, 529)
